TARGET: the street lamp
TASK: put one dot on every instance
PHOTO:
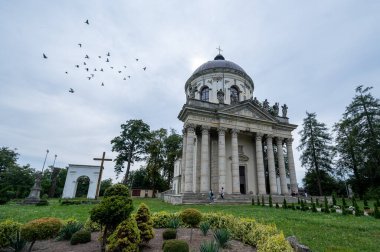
(55, 157)
(47, 152)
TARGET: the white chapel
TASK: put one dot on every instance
(231, 140)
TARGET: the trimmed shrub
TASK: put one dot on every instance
(117, 190)
(284, 206)
(81, 236)
(313, 208)
(91, 226)
(334, 198)
(277, 206)
(144, 223)
(40, 229)
(376, 212)
(126, 237)
(358, 211)
(260, 232)
(169, 234)
(191, 216)
(262, 200)
(222, 237)
(253, 201)
(274, 243)
(162, 219)
(270, 201)
(9, 232)
(326, 209)
(68, 230)
(175, 246)
(204, 227)
(209, 246)
(258, 201)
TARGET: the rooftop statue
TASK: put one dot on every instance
(284, 110)
(276, 108)
(266, 105)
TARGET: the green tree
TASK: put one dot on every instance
(173, 150)
(358, 140)
(104, 185)
(328, 183)
(131, 145)
(317, 151)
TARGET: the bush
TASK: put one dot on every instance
(284, 206)
(42, 202)
(81, 236)
(68, 230)
(169, 234)
(175, 246)
(260, 233)
(376, 212)
(204, 227)
(277, 206)
(253, 201)
(262, 200)
(91, 226)
(9, 232)
(270, 201)
(209, 246)
(117, 190)
(40, 229)
(144, 223)
(162, 219)
(126, 237)
(191, 217)
(274, 243)
(174, 223)
(222, 237)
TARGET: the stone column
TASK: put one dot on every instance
(292, 170)
(260, 164)
(189, 158)
(235, 162)
(183, 161)
(271, 166)
(281, 167)
(222, 157)
(205, 160)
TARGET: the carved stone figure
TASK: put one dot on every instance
(192, 92)
(266, 105)
(276, 108)
(220, 95)
(284, 110)
(256, 101)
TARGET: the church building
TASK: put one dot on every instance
(231, 140)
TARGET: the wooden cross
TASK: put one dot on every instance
(100, 172)
(220, 50)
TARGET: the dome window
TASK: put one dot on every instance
(234, 95)
(205, 94)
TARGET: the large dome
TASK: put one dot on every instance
(219, 64)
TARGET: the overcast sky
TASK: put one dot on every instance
(308, 54)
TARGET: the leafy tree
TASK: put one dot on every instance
(328, 182)
(104, 185)
(82, 186)
(317, 151)
(358, 141)
(8, 158)
(172, 149)
(131, 145)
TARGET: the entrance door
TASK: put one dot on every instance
(242, 179)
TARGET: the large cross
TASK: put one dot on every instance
(220, 50)
(100, 172)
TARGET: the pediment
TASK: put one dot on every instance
(248, 110)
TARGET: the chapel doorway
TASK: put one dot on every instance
(242, 179)
(83, 184)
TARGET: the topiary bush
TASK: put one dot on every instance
(81, 236)
(174, 223)
(162, 219)
(91, 225)
(126, 237)
(191, 216)
(144, 223)
(175, 246)
(9, 233)
(40, 229)
(169, 234)
(117, 190)
(284, 205)
(274, 243)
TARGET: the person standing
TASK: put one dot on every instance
(211, 196)
(222, 193)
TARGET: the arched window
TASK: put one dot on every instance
(234, 95)
(204, 94)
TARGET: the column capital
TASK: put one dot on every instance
(189, 126)
(235, 132)
(269, 136)
(279, 140)
(289, 141)
(259, 136)
(222, 130)
(184, 131)
(205, 129)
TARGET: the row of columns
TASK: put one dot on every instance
(188, 162)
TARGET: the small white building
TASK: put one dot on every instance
(74, 173)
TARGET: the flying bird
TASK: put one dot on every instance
(87, 69)
(144, 68)
(99, 57)
(87, 56)
(66, 72)
(102, 84)
(80, 45)
(137, 59)
(107, 60)
(89, 78)
(43, 55)
(108, 54)
(101, 69)
(84, 63)
(119, 71)
(92, 75)
(111, 67)
(95, 70)
(71, 90)
(125, 78)
(77, 66)
(125, 66)
(87, 22)
(129, 76)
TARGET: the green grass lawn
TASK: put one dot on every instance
(319, 231)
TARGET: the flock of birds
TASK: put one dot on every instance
(92, 71)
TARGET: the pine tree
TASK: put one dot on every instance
(258, 200)
(327, 210)
(253, 201)
(284, 206)
(144, 223)
(262, 200)
(317, 151)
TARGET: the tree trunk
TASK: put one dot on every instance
(125, 181)
(104, 239)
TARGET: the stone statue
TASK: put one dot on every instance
(266, 105)
(256, 101)
(220, 95)
(276, 108)
(284, 110)
(192, 92)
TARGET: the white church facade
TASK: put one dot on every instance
(230, 139)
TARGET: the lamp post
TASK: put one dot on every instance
(55, 157)
(43, 166)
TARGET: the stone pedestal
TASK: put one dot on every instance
(34, 195)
